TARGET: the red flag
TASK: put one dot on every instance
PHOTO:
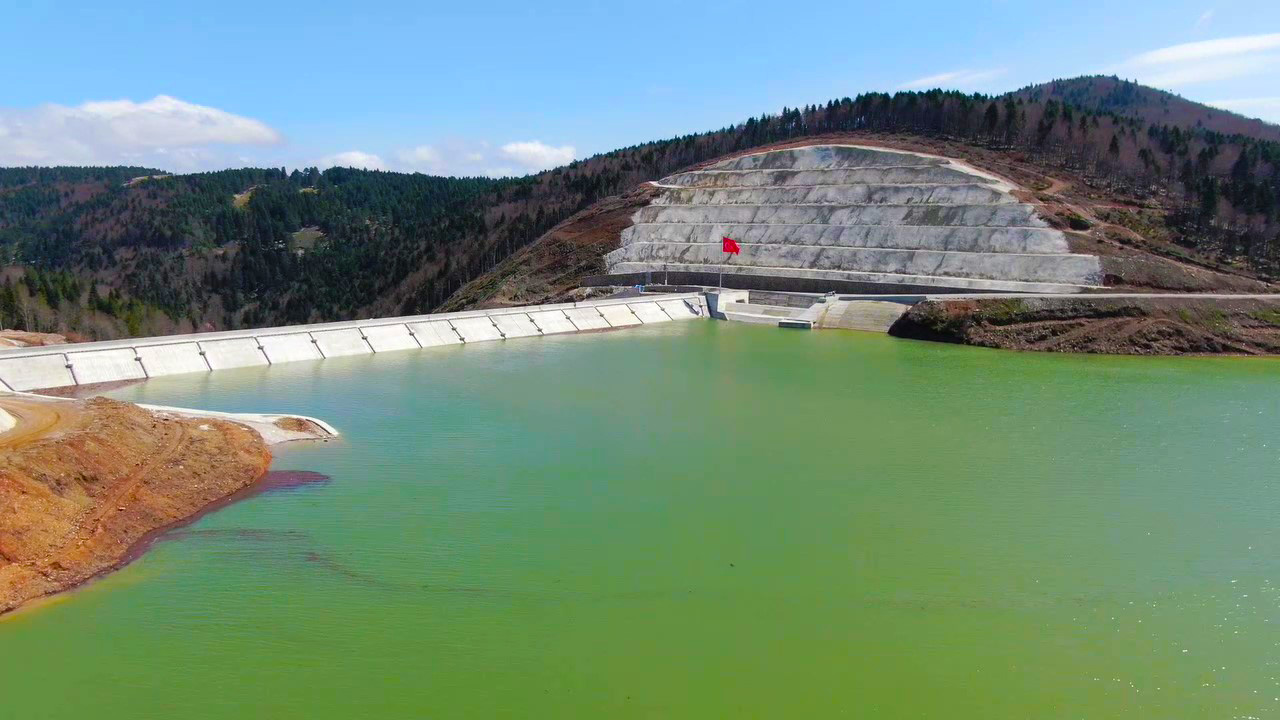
(729, 246)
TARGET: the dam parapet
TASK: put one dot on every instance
(44, 368)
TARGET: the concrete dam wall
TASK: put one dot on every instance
(846, 213)
(40, 368)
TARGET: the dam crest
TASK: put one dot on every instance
(49, 367)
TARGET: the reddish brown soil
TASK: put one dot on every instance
(20, 338)
(82, 482)
(1155, 326)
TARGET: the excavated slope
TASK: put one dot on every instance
(853, 213)
(81, 482)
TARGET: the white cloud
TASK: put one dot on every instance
(1266, 108)
(1204, 61)
(163, 131)
(1205, 18)
(460, 157)
(954, 79)
(423, 158)
(355, 159)
(1206, 49)
(535, 155)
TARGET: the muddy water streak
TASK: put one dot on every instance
(707, 520)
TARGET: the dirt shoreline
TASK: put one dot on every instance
(1131, 326)
(88, 486)
(271, 481)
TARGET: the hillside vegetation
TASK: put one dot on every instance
(104, 252)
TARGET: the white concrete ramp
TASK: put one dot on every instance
(477, 329)
(337, 343)
(619, 315)
(34, 373)
(289, 348)
(587, 318)
(233, 353)
(389, 338)
(680, 309)
(172, 359)
(551, 322)
(515, 325)
(433, 334)
(99, 366)
(649, 312)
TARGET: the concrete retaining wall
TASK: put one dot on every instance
(842, 280)
(289, 348)
(99, 366)
(389, 338)
(41, 371)
(337, 343)
(435, 334)
(478, 329)
(234, 352)
(1072, 269)
(619, 315)
(172, 359)
(962, 239)
(650, 313)
(39, 368)
(515, 326)
(587, 319)
(552, 321)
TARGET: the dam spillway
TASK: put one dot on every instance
(852, 214)
(59, 366)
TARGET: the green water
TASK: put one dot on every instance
(708, 520)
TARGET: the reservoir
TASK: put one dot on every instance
(706, 519)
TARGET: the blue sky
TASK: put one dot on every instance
(506, 87)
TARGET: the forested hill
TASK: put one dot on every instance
(1101, 93)
(105, 252)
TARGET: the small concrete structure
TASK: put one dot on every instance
(38, 368)
(845, 214)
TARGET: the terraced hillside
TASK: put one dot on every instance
(853, 214)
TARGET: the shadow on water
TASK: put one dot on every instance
(273, 481)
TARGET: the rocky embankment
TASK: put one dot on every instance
(21, 338)
(1126, 326)
(82, 482)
